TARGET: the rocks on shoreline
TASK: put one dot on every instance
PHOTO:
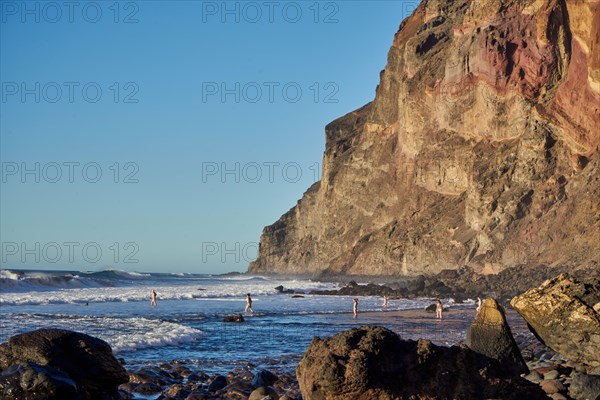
(459, 284)
(177, 381)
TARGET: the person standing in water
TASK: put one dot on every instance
(438, 309)
(355, 307)
(249, 304)
(384, 301)
(153, 298)
(478, 303)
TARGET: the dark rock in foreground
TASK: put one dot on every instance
(63, 355)
(490, 335)
(373, 363)
(564, 314)
(32, 381)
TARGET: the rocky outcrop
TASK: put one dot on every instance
(373, 363)
(490, 335)
(481, 148)
(565, 314)
(82, 359)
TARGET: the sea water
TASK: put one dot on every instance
(187, 323)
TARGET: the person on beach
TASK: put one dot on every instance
(384, 301)
(438, 309)
(355, 307)
(249, 304)
(478, 303)
(153, 298)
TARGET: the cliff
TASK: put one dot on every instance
(481, 148)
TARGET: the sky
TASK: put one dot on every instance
(163, 136)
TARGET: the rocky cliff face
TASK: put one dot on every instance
(481, 148)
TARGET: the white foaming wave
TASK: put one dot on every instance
(245, 278)
(151, 333)
(122, 334)
(142, 293)
(8, 274)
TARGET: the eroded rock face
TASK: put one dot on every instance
(480, 149)
(372, 363)
(86, 360)
(490, 335)
(565, 315)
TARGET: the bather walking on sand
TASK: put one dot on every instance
(438, 309)
(384, 301)
(355, 307)
(153, 298)
(249, 304)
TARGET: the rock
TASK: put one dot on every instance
(560, 312)
(558, 396)
(198, 377)
(236, 393)
(234, 318)
(585, 387)
(199, 395)
(281, 289)
(218, 383)
(264, 393)
(148, 388)
(123, 395)
(88, 361)
(534, 377)
(32, 381)
(264, 378)
(372, 363)
(431, 308)
(551, 375)
(490, 335)
(552, 386)
(146, 375)
(479, 148)
(297, 296)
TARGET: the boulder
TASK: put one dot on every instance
(264, 393)
(372, 363)
(552, 386)
(29, 381)
(218, 383)
(282, 289)
(264, 378)
(148, 388)
(87, 360)
(564, 314)
(234, 318)
(490, 335)
(585, 387)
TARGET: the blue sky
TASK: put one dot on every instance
(163, 136)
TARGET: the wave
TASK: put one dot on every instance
(27, 280)
(146, 333)
(122, 334)
(117, 274)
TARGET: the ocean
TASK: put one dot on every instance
(187, 323)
